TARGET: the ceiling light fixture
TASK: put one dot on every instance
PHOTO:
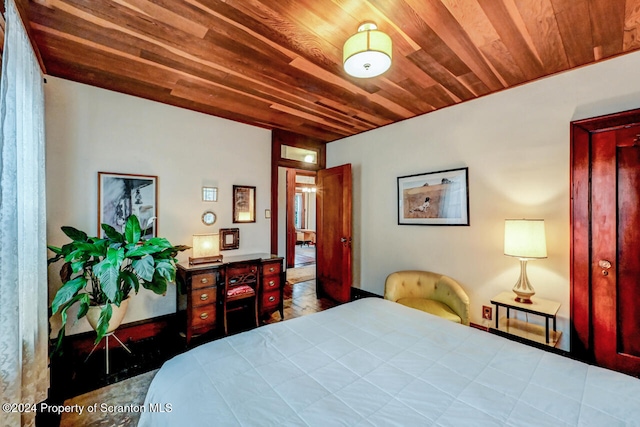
(367, 53)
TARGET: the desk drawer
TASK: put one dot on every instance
(270, 300)
(271, 268)
(203, 316)
(241, 270)
(203, 280)
(204, 296)
(271, 283)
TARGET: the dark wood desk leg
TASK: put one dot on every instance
(554, 324)
(497, 315)
(546, 330)
(508, 309)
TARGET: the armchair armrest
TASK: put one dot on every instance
(448, 291)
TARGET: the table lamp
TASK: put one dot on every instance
(524, 239)
(206, 248)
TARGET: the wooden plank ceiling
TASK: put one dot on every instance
(278, 63)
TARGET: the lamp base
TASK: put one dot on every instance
(205, 259)
(523, 288)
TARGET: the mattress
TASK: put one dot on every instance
(373, 362)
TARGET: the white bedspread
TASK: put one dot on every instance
(374, 362)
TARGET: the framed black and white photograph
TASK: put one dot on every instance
(122, 195)
(244, 203)
(434, 198)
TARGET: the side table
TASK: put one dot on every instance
(529, 331)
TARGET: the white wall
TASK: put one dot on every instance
(516, 145)
(91, 130)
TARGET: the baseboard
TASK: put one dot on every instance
(127, 333)
(357, 293)
(478, 326)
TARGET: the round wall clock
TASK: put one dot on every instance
(208, 218)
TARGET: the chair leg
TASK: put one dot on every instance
(256, 310)
(224, 320)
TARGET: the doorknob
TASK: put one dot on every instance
(604, 265)
(343, 239)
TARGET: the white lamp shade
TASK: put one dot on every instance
(525, 238)
(206, 245)
(367, 53)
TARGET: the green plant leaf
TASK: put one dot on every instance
(160, 242)
(130, 281)
(103, 322)
(74, 234)
(166, 269)
(77, 266)
(158, 285)
(144, 267)
(112, 233)
(67, 292)
(55, 249)
(107, 271)
(145, 249)
(84, 305)
(132, 231)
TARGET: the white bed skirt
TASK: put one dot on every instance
(376, 363)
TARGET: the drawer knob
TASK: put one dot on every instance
(204, 297)
(271, 270)
(204, 280)
(272, 299)
(271, 283)
(253, 270)
(204, 316)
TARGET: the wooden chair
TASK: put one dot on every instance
(240, 291)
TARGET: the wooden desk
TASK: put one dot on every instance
(204, 284)
(540, 307)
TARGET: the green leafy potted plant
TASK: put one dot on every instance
(103, 271)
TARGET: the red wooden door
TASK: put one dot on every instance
(290, 221)
(615, 171)
(333, 237)
(606, 244)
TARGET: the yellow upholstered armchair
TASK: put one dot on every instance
(431, 292)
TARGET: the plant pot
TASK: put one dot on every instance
(117, 314)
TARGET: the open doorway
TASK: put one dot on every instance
(297, 223)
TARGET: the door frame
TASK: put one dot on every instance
(278, 139)
(580, 214)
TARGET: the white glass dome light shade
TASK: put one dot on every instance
(367, 53)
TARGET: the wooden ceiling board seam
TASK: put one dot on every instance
(423, 35)
(174, 50)
(445, 25)
(441, 75)
(607, 24)
(631, 26)
(249, 27)
(542, 26)
(574, 25)
(162, 14)
(285, 97)
(306, 44)
(511, 36)
(311, 68)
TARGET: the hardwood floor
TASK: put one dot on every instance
(72, 378)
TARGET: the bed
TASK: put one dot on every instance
(373, 362)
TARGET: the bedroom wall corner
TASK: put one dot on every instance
(516, 144)
(89, 129)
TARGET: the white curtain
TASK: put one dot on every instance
(24, 376)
